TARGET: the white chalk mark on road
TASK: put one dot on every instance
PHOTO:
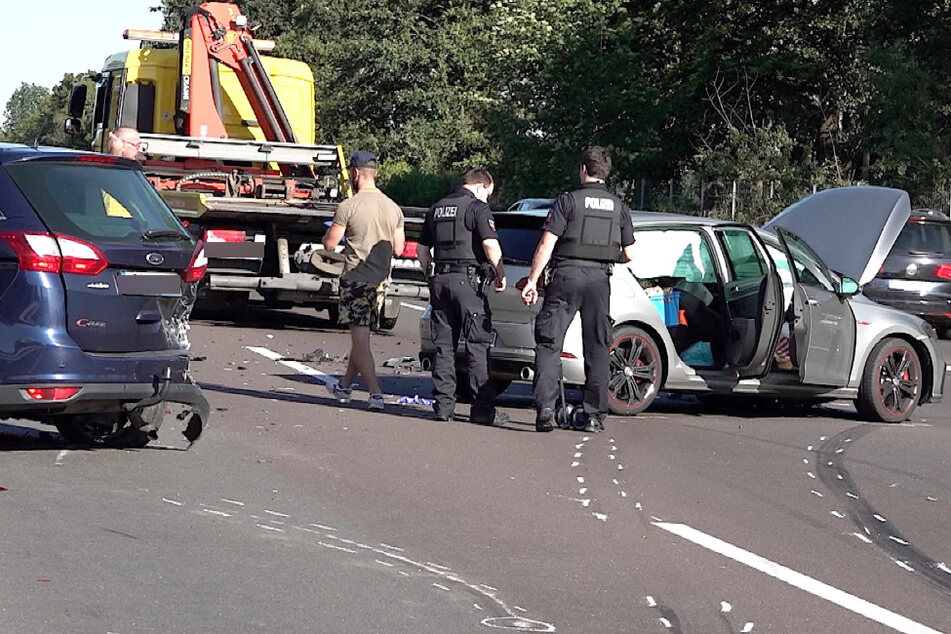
(60, 456)
(798, 580)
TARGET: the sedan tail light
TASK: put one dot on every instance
(198, 265)
(54, 254)
(943, 271)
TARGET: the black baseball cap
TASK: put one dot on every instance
(362, 158)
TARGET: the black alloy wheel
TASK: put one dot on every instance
(635, 371)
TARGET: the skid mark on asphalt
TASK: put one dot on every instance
(874, 528)
(384, 555)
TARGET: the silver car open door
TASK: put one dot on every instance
(823, 325)
(754, 298)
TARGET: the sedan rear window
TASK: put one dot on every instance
(93, 202)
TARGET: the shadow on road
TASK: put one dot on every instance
(258, 316)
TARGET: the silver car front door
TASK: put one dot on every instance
(823, 326)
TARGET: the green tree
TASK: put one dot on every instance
(35, 114)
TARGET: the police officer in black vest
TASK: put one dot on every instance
(465, 257)
(586, 232)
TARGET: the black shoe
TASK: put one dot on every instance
(543, 420)
(499, 418)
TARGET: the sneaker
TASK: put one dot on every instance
(499, 418)
(543, 420)
(375, 402)
(340, 393)
(444, 418)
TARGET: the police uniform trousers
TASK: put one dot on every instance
(571, 288)
(459, 310)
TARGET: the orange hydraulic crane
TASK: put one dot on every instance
(217, 32)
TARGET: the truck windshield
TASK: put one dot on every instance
(93, 202)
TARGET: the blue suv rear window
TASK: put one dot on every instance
(93, 202)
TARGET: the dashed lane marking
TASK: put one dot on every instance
(413, 306)
(798, 580)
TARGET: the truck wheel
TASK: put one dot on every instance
(892, 382)
(636, 371)
(101, 430)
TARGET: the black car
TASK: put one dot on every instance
(916, 275)
(97, 278)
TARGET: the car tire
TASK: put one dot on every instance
(635, 372)
(891, 383)
(101, 430)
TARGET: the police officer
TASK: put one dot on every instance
(586, 232)
(465, 257)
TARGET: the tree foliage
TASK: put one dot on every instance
(782, 96)
(35, 114)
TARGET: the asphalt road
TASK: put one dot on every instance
(296, 514)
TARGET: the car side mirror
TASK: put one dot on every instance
(77, 101)
(848, 287)
(72, 126)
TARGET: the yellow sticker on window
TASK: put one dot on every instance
(113, 207)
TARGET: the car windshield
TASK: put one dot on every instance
(93, 202)
(925, 237)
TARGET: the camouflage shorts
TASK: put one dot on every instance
(361, 302)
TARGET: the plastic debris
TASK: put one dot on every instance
(415, 399)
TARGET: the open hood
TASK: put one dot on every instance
(851, 228)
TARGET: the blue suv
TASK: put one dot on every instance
(97, 279)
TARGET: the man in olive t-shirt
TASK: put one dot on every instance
(373, 227)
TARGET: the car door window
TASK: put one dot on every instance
(682, 253)
(808, 267)
(745, 259)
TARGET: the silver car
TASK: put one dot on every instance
(715, 307)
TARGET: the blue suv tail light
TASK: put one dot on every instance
(54, 254)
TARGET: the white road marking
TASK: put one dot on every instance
(943, 567)
(437, 566)
(575, 464)
(276, 514)
(650, 601)
(214, 512)
(798, 580)
(384, 563)
(271, 528)
(326, 528)
(836, 514)
(665, 623)
(725, 607)
(340, 548)
(60, 456)
(816, 493)
(293, 365)
(811, 475)
(864, 538)
(601, 516)
(413, 306)
(904, 565)
(175, 502)
(235, 502)
(440, 586)
(519, 608)
(747, 628)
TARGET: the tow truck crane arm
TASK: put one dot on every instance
(217, 32)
